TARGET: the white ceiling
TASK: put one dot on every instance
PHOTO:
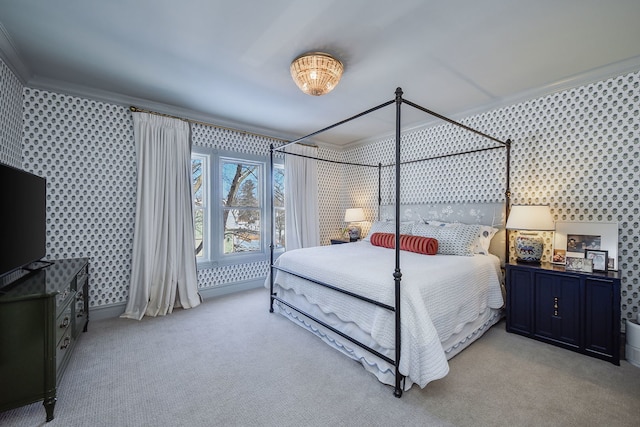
(227, 62)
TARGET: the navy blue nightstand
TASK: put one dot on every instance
(571, 309)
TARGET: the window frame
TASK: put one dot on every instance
(214, 246)
(206, 197)
(277, 250)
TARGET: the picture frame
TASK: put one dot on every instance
(599, 258)
(584, 265)
(572, 238)
(559, 256)
(574, 264)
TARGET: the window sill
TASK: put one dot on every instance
(232, 260)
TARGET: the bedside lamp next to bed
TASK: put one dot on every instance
(530, 219)
(350, 216)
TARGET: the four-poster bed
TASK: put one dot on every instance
(402, 334)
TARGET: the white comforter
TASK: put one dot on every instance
(440, 294)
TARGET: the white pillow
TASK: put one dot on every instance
(485, 234)
(459, 240)
(484, 239)
(388, 227)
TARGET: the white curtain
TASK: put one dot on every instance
(302, 223)
(163, 273)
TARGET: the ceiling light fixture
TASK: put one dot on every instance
(316, 73)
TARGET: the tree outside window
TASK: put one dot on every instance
(229, 207)
(241, 183)
(278, 207)
(199, 186)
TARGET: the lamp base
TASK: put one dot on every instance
(529, 249)
(354, 233)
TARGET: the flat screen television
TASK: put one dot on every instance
(22, 219)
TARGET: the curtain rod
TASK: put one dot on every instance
(244, 132)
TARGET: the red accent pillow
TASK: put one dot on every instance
(418, 244)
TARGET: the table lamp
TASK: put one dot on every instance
(529, 220)
(352, 215)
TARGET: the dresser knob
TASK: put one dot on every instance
(65, 343)
(65, 322)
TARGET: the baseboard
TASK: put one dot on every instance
(229, 288)
(115, 310)
(106, 312)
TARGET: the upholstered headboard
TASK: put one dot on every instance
(493, 214)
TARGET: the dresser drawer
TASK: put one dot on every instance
(63, 297)
(63, 322)
(80, 311)
(81, 278)
(79, 302)
(62, 347)
(81, 308)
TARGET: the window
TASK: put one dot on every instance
(278, 206)
(200, 187)
(241, 205)
(230, 207)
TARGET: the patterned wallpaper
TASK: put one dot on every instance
(576, 150)
(85, 150)
(331, 195)
(475, 177)
(10, 117)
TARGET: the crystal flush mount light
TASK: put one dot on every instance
(316, 73)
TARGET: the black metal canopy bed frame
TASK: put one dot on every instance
(397, 273)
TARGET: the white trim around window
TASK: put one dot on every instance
(245, 239)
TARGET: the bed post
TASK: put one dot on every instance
(397, 274)
(379, 188)
(271, 215)
(507, 197)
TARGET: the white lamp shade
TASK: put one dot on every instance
(530, 217)
(354, 215)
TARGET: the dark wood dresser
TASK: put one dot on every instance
(41, 316)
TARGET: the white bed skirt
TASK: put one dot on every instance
(384, 371)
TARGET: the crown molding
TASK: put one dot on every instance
(43, 83)
(11, 57)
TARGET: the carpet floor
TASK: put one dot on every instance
(229, 362)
